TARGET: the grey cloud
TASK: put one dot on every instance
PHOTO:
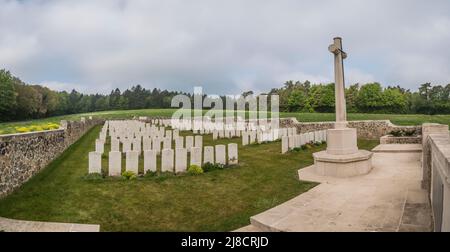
(225, 46)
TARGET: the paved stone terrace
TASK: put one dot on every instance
(389, 198)
(10, 225)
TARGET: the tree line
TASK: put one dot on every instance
(367, 98)
(20, 101)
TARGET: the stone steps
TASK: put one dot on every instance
(388, 199)
(398, 148)
(11, 225)
(250, 228)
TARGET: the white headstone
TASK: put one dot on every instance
(137, 145)
(99, 146)
(311, 136)
(150, 160)
(167, 160)
(245, 138)
(156, 145)
(189, 142)
(196, 156)
(252, 137)
(132, 161)
(167, 143)
(220, 154)
(302, 139)
(147, 143)
(232, 154)
(115, 144)
(291, 142)
(198, 141)
(180, 160)
(126, 145)
(115, 163)
(95, 162)
(208, 156)
(179, 142)
(284, 144)
(215, 134)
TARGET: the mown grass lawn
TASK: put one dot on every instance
(220, 200)
(400, 119)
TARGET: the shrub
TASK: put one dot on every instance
(211, 167)
(195, 169)
(150, 174)
(129, 175)
(317, 143)
(401, 133)
(296, 149)
(22, 129)
(304, 147)
(36, 128)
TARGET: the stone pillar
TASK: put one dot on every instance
(342, 157)
(196, 156)
(180, 160)
(339, 56)
(132, 161)
(220, 154)
(95, 162)
(208, 155)
(232, 154)
(167, 160)
(150, 160)
(115, 163)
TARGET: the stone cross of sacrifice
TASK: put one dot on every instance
(339, 56)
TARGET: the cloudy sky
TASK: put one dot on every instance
(226, 46)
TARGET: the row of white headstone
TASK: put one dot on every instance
(146, 144)
(171, 161)
(295, 141)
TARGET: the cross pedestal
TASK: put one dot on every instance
(342, 157)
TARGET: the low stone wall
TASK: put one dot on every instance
(371, 129)
(24, 155)
(390, 139)
(436, 172)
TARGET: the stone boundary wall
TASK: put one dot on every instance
(370, 129)
(24, 155)
(389, 139)
(436, 170)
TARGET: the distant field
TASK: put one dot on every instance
(11, 127)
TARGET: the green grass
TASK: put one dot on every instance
(9, 127)
(219, 200)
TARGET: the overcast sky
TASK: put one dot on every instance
(225, 46)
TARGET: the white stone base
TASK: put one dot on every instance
(342, 141)
(343, 166)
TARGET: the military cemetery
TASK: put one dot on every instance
(271, 142)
